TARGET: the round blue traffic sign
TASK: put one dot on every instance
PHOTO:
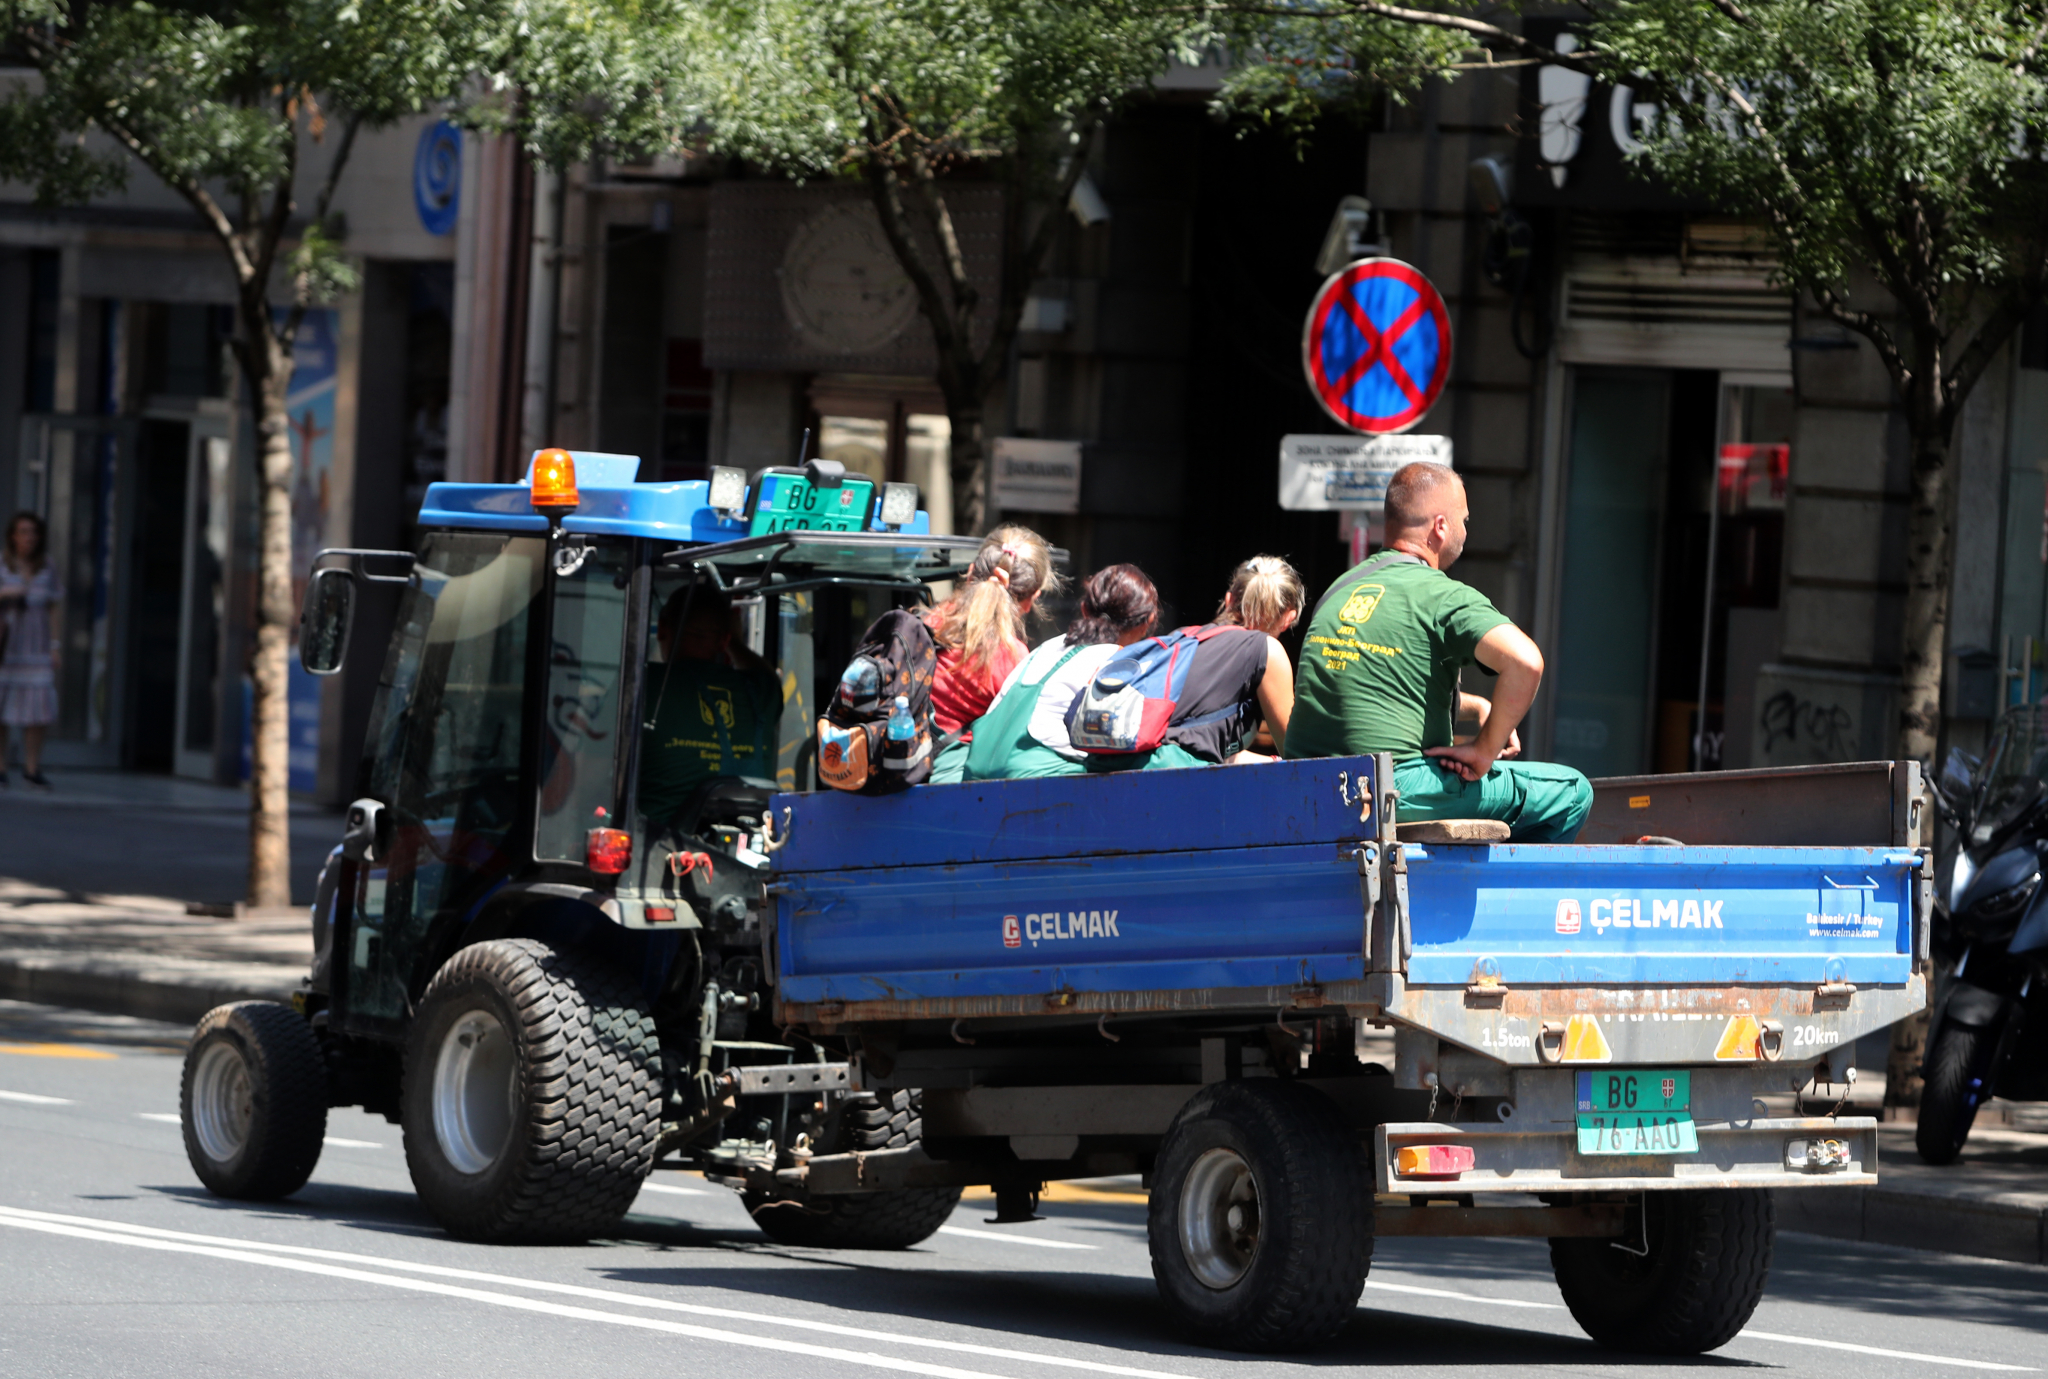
(1377, 346)
(437, 177)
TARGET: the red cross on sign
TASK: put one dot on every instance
(1377, 346)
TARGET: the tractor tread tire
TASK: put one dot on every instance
(288, 1078)
(893, 1220)
(1947, 1111)
(1710, 1256)
(1304, 1281)
(587, 1103)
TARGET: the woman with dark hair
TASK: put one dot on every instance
(31, 613)
(1024, 732)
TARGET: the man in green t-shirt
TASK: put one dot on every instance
(713, 709)
(1379, 673)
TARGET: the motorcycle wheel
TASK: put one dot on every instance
(1956, 1070)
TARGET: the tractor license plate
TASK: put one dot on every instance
(1644, 1111)
(791, 502)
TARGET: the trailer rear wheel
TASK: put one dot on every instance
(532, 1098)
(893, 1220)
(1260, 1220)
(1683, 1282)
(253, 1101)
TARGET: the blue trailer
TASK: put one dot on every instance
(1179, 973)
(1305, 1024)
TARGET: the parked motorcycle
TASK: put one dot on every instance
(1989, 1030)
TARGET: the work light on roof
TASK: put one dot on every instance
(899, 505)
(728, 488)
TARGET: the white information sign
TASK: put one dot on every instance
(1349, 473)
(1036, 475)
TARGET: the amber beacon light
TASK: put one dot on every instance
(553, 489)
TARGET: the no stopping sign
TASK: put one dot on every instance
(1377, 346)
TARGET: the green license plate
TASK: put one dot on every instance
(1645, 1111)
(791, 502)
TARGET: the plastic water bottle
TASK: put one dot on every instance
(861, 682)
(902, 727)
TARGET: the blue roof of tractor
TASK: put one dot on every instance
(612, 504)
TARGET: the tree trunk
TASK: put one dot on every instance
(973, 511)
(270, 741)
(1929, 558)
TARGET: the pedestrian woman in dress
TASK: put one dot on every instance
(31, 605)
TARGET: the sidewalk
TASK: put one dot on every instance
(125, 833)
(95, 884)
(96, 878)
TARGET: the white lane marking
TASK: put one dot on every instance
(556, 1309)
(32, 1099)
(168, 1117)
(1744, 1336)
(121, 1232)
(677, 1191)
(1461, 1297)
(339, 1143)
(1888, 1354)
(1009, 1239)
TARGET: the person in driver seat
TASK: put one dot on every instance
(713, 709)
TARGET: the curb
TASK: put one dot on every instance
(1941, 1223)
(164, 989)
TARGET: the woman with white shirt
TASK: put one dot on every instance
(1024, 732)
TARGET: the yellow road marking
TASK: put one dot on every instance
(56, 1051)
(1072, 1192)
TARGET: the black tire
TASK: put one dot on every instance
(1709, 1253)
(893, 1220)
(1953, 1089)
(532, 1094)
(1291, 1279)
(253, 1101)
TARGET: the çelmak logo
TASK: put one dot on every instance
(1056, 925)
(1626, 912)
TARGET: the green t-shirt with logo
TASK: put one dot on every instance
(1379, 665)
(708, 720)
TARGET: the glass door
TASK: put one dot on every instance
(1601, 673)
(209, 509)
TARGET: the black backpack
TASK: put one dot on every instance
(896, 658)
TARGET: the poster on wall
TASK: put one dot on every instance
(309, 408)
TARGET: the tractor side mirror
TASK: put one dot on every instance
(366, 835)
(324, 621)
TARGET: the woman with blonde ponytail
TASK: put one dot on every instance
(1266, 594)
(979, 631)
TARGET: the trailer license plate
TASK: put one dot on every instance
(1646, 1111)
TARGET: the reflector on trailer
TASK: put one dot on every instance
(1741, 1041)
(1583, 1041)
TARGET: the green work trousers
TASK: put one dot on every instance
(1539, 801)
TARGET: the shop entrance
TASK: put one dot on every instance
(177, 594)
(1671, 539)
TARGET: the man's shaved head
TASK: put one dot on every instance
(1417, 496)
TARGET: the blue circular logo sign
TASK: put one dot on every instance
(437, 176)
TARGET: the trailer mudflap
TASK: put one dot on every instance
(1544, 1157)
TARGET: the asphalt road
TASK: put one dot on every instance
(114, 1262)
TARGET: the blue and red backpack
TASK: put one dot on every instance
(1131, 700)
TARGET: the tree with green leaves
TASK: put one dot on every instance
(243, 108)
(910, 96)
(1893, 150)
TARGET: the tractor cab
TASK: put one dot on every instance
(592, 689)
